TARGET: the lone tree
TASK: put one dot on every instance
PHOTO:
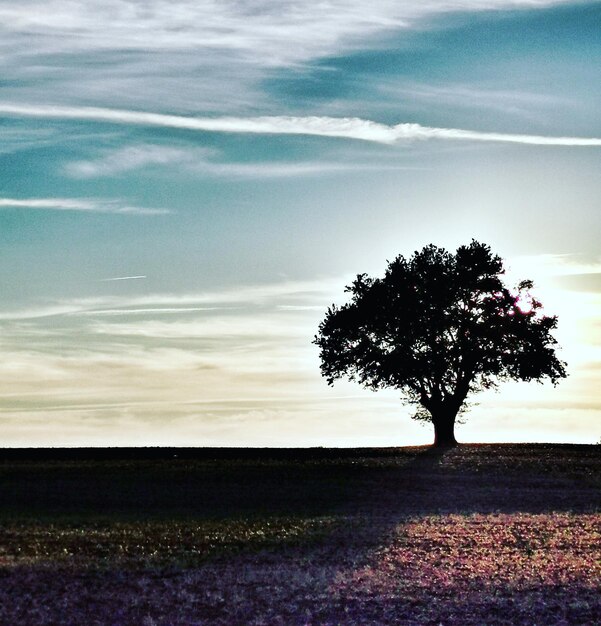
(438, 327)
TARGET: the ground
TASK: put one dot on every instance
(479, 534)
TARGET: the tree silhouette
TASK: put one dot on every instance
(439, 326)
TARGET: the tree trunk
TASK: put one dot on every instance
(444, 430)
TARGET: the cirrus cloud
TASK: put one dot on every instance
(265, 33)
(322, 126)
(77, 204)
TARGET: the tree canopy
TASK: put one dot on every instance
(438, 327)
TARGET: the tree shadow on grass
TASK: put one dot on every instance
(456, 538)
(230, 484)
(477, 479)
(468, 535)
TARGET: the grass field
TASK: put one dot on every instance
(479, 534)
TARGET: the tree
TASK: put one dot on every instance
(438, 327)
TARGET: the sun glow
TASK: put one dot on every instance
(524, 304)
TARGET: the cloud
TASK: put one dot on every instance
(108, 280)
(153, 369)
(287, 169)
(337, 127)
(302, 293)
(184, 375)
(524, 104)
(131, 158)
(210, 327)
(589, 282)
(553, 265)
(77, 204)
(187, 54)
(33, 313)
(267, 33)
(197, 160)
(151, 310)
(276, 169)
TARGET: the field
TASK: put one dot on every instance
(479, 534)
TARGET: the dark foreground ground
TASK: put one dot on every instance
(480, 534)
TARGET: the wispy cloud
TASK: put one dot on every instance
(208, 373)
(187, 54)
(150, 311)
(110, 280)
(310, 292)
(193, 362)
(132, 158)
(343, 127)
(77, 204)
(271, 32)
(551, 265)
(263, 328)
(523, 104)
(200, 161)
(287, 169)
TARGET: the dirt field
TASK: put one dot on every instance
(490, 534)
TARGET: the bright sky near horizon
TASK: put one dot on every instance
(185, 186)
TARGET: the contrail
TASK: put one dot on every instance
(343, 127)
(77, 204)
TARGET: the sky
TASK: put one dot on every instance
(186, 186)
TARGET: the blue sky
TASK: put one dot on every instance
(186, 186)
